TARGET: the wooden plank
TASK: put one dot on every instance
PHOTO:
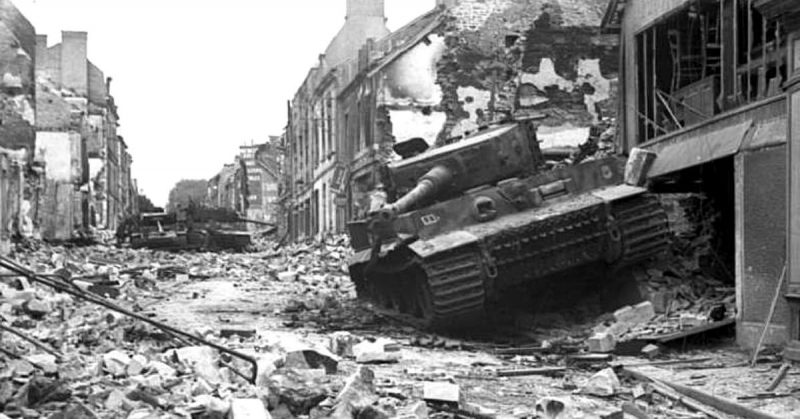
(723, 405)
(520, 372)
(669, 337)
(698, 398)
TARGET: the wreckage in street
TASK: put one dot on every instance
(477, 219)
(196, 227)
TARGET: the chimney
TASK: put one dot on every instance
(446, 3)
(74, 63)
(365, 8)
(41, 52)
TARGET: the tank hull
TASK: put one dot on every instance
(453, 280)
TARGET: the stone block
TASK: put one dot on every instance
(603, 342)
(603, 384)
(441, 392)
(116, 362)
(342, 343)
(651, 351)
(248, 409)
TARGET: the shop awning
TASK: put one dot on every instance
(698, 147)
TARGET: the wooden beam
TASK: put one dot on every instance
(698, 396)
(653, 72)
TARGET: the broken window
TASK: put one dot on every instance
(705, 59)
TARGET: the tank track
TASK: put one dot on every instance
(452, 289)
(456, 287)
(644, 228)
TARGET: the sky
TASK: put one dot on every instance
(195, 79)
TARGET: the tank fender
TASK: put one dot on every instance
(614, 193)
(444, 242)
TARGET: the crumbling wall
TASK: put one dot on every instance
(60, 152)
(410, 93)
(528, 57)
(14, 214)
(52, 111)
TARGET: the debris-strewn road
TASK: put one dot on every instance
(320, 352)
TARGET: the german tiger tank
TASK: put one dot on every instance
(467, 222)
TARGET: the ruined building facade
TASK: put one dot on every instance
(18, 175)
(707, 87)
(461, 66)
(63, 169)
(316, 159)
(77, 117)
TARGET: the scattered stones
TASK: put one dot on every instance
(342, 343)
(651, 351)
(46, 362)
(418, 410)
(601, 342)
(137, 365)
(312, 358)
(243, 333)
(604, 384)
(382, 351)
(287, 276)
(202, 360)
(298, 392)
(37, 308)
(612, 413)
(357, 394)
(116, 362)
(441, 392)
(248, 409)
(552, 408)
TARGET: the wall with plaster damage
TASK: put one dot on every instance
(17, 116)
(410, 94)
(515, 58)
(60, 153)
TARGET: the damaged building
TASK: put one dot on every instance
(705, 88)
(18, 174)
(88, 181)
(317, 159)
(461, 66)
(250, 185)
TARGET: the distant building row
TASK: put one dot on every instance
(250, 184)
(64, 170)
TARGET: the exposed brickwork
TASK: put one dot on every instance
(494, 44)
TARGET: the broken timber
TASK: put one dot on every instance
(779, 378)
(520, 372)
(723, 405)
(30, 340)
(669, 337)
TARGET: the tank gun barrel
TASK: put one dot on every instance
(263, 223)
(430, 184)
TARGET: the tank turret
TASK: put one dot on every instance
(492, 155)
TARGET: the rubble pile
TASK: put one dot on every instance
(685, 286)
(61, 357)
(323, 297)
